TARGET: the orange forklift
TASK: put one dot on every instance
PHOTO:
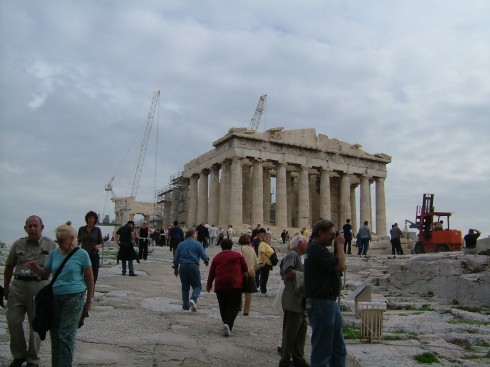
(433, 237)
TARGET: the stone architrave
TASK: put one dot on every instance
(380, 207)
(257, 193)
(281, 196)
(236, 201)
(303, 198)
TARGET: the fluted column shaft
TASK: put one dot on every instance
(365, 200)
(213, 203)
(325, 201)
(257, 193)
(380, 207)
(267, 196)
(236, 187)
(353, 206)
(192, 215)
(202, 201)
(344, 198)
(224, 195)
(281, 196)
(303, 198)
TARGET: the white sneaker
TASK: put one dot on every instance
(193, 305)
(226, 330)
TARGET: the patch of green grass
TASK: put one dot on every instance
(426, 358)
(345, 308)
(469, 308)
(351, 332)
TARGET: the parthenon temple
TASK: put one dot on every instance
(282, 179)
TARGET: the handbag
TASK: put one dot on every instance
(249, 285)
(42, 303)
(273, 258)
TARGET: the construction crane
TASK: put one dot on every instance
(259, 111)
(144, 144)
(123, 205)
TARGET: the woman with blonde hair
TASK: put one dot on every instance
(72, 293)
(248, 253)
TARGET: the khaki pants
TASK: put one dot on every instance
(19, 303)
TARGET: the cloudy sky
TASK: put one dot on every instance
(407, 78)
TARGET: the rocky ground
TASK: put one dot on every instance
(139, 321)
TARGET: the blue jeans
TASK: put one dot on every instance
(190, 276)
(365, 245)
(67, 310)
(327, 340)
(130, 266)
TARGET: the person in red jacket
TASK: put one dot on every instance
(227, 271)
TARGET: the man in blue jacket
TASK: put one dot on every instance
(186, 265)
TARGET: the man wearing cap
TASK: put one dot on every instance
(24, 287)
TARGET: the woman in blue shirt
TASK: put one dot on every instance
(73, 292)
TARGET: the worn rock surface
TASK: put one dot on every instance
(138, 321)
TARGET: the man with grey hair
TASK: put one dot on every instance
(294, 322)
(35, 247)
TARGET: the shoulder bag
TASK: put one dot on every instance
(273, 258)
(43, 300)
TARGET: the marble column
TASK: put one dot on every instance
(236, 200)
(291, 197)
(266, 176)
(380, 207)
(325, 202)
(345, 211)
(365, 206)
(303, 198)
(224, 195)
(213, 203)
(257, 193)
(192, 215)
(281, 196)
(353, 208)
(247, 186)
(202, 201)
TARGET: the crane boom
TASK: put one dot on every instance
(259, 111)
(144, 144)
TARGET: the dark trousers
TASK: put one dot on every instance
(143, 248)
(264, 277)
(95, 260)
(293, 339)
(229, 301)
(347, 245)
(396, 246)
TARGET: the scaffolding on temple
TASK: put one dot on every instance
(170, 200)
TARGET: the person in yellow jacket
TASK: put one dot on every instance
(265, 252)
